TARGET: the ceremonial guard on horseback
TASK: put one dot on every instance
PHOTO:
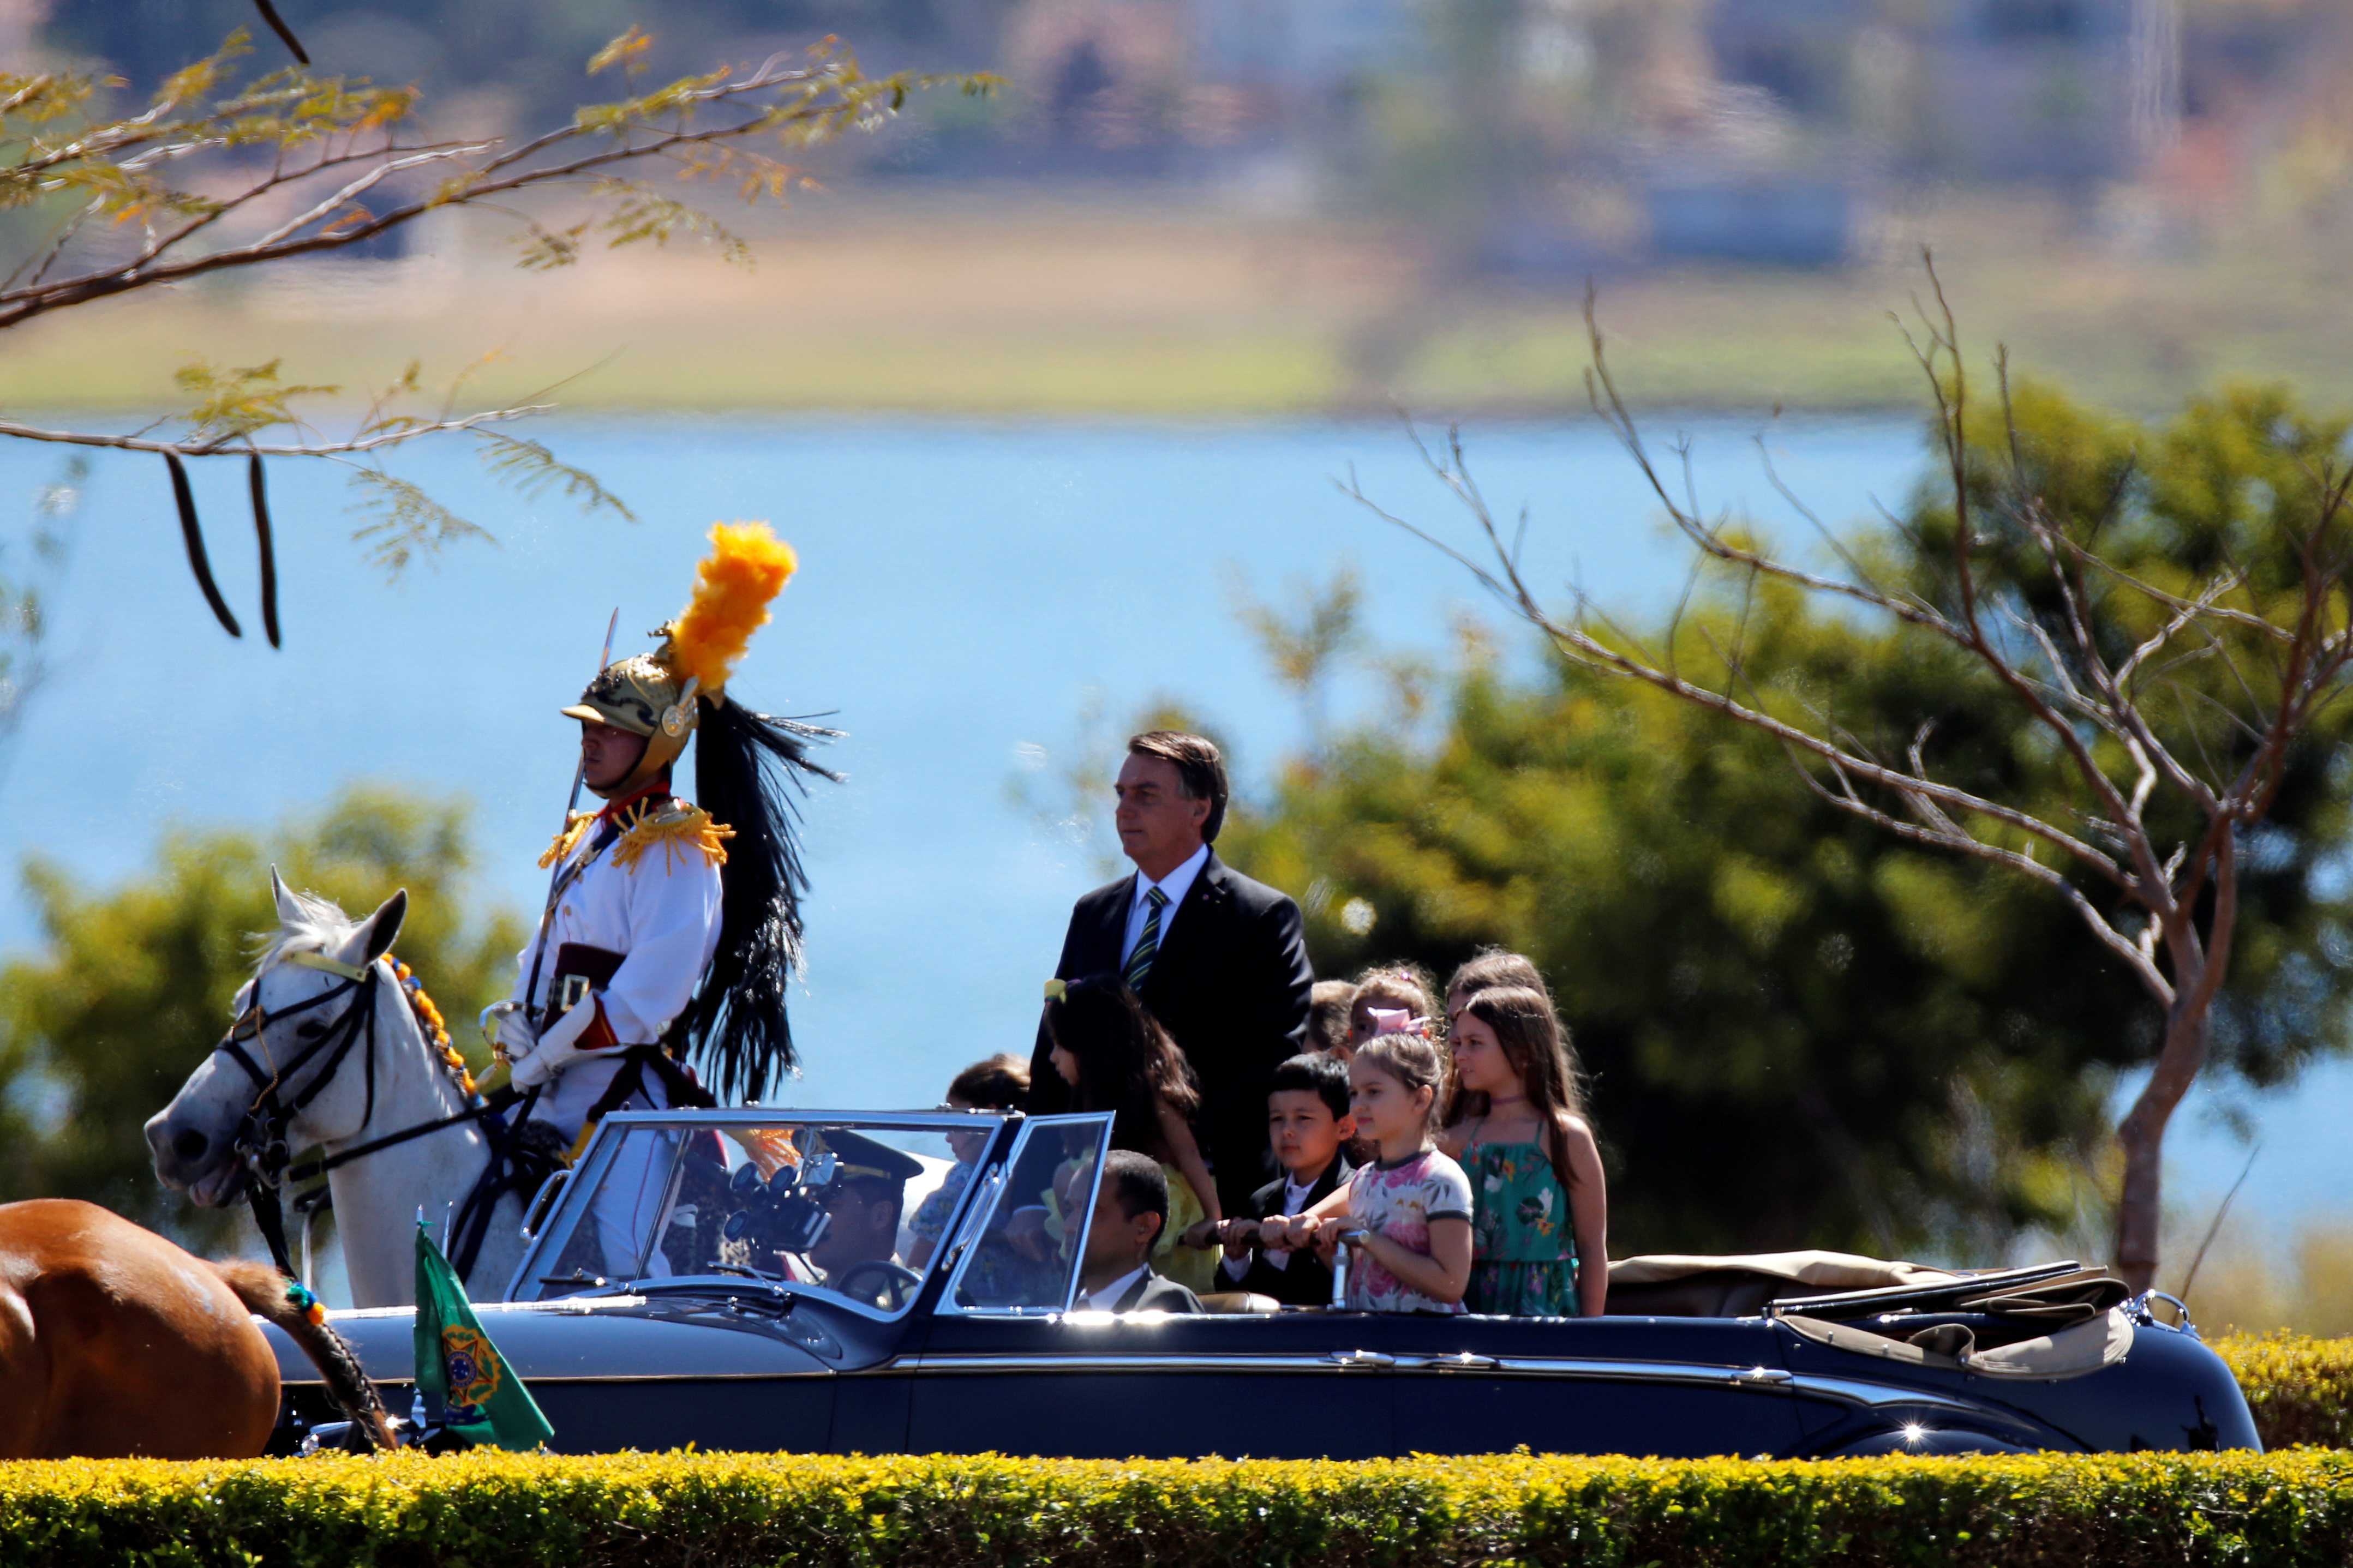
(655, 977)
(671, 928)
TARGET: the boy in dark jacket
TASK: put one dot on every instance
(1307, 1123)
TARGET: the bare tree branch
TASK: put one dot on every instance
(236, 441)
(2077, 656)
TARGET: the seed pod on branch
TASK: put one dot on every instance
(192, 534)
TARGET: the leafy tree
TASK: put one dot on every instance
(221, 171)
(1802, 1033)
(99, 1030)
(2164, 615)
(527, 52)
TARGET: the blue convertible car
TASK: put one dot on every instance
(726, 1298)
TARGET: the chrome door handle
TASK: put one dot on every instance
(1372, 1361)
(1463, 1361)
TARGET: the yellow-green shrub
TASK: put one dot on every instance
(2300, 1390)
(653, 1511)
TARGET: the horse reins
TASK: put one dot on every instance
(262, 1132)
(260, 1143)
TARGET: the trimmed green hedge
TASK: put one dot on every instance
(2300, 1390)
(657, 1511)
(718, 1511)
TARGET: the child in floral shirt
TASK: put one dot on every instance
(1408, 1213)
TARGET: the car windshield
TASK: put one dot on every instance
(1024, 1235)
(856, 1207)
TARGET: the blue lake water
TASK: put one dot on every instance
(966, 590)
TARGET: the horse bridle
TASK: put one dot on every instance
(260, 1141)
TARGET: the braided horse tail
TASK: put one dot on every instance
(270, 1294)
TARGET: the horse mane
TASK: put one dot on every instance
(321, 925)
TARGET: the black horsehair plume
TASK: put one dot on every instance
(746, 766)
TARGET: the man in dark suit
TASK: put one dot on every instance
(1131, 1210)
(1219, 959)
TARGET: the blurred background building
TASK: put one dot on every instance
(2141, 188)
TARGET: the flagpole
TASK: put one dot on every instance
(555, 877)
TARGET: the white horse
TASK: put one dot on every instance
(297, 1032)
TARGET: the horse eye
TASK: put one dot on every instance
(308, 1031)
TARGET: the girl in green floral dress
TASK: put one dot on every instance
(1540, 1208)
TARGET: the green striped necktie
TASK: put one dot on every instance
(1139, 962)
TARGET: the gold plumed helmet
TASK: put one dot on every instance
(658, 695)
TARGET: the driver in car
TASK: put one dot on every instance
(858, 1251)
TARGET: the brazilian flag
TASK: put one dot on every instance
(487, 1404)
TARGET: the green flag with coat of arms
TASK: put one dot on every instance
(487, 1404)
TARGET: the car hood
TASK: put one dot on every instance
(601, 1339)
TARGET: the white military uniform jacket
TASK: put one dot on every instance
(652, 895)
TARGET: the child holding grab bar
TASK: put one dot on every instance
(1406, 1215)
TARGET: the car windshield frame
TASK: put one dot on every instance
(570, 1210)
(989, 1192)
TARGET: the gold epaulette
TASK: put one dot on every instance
(681, 830)
(567, 839)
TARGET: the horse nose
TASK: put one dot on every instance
(190, 1144)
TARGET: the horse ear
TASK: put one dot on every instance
(289, 909)
(374, 938)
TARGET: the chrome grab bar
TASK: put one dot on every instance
(1340, 1255)
(1371, 1361)
(2138, 1311)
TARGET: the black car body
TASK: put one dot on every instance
(719, 1333)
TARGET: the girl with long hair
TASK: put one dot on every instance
(1115, 1056)
(1518, 1127)
(1487, 968)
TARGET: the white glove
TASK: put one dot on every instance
(558, 1047)
(515, 1039)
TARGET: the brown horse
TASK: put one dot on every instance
(114, 1343)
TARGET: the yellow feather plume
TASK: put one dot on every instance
(747, 567)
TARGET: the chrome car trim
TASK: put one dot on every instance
(1877, 1395)
(1597, 1369)
(1572, 1368)
(779, 1116)
(566, 1306)
(677, 1377)
(1100, 1363)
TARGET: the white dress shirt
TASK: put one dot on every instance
(1295, 1202)
(1107, 1298)
(1176, 884)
